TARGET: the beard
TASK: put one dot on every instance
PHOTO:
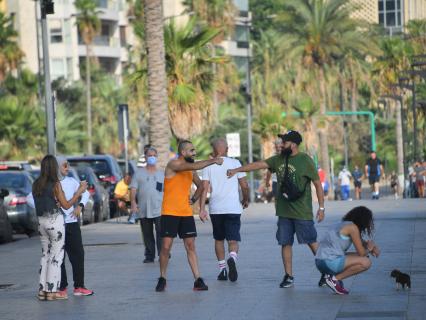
(286, 152)
(189, 159)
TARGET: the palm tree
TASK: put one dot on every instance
(10, 53)
(218, 14)
(190, 76)
(319, 32)
(159, 128)
(89, 26)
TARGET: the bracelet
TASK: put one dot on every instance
(322, 209)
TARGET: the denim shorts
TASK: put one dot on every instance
(226, 226)
(304, 229)
(330, 266)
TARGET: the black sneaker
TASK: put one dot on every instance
(161, 285)
(321, 282)
(287, 282)
(223, 275)
(199, 285)
(148, 260)
(233, 274)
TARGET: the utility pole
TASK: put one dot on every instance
(47, 7)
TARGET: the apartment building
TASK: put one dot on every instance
(66, 48)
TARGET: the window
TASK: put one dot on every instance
(55, 27)
(390, 14)
(58, 68)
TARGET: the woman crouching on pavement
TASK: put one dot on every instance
(47, 191)
(332, 258)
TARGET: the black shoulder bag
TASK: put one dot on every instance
(289, 189)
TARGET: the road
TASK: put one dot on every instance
(124, 286)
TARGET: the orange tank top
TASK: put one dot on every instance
(177, 190)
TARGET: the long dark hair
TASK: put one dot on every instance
(362, 217)
(48, 173)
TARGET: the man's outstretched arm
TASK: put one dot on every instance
(248, 167)
(177, 165)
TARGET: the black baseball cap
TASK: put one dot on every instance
(292, 136)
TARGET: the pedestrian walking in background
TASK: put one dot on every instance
(374, 171)
(47, 191)
(176, 213)
(332, 257)
(394, 184)
(420, 178)
(357, 175)
(225, 207)
(345, 183)
(146, 197)
(295, 171)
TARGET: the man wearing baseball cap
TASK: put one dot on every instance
(295, 171)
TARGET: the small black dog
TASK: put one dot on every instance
(402, 279)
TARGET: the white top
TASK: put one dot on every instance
(70, 186)
(224, 194)
(345, 177)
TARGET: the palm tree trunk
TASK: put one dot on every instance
(88, 102)
(159, 127)
(322, 133)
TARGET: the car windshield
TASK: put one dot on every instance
(9, 180)
(99, 166)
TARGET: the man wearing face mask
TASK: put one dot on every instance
(176, 213)
(295, 171)
(147, 188)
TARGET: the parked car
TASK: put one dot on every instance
(88, 215)
(99, 193)
(22, 216)
(5, 226)
(15, 165)
(34, 173)
(106, 169)
(132, 166)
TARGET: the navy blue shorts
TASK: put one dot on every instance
(304, 229)
(226, 226)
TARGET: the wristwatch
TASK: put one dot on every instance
(81, 205)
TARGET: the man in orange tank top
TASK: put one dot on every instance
(176, 213)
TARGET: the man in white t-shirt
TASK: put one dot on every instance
(225, 207)
(345, 182)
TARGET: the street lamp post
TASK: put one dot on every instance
(399, 141)
(403, 83)
(46, 7)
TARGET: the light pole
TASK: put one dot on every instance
(47, 7)
(249, 110)
(404, 84)
(399, 141)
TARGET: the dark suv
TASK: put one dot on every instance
(105, 168)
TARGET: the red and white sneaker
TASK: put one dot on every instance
(62, 294)
(83, 292)
(335, 285)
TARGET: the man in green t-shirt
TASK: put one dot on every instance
(295, 215)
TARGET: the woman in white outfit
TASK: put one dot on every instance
(47, 191)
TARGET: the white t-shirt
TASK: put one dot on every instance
(344, 177)
(224, 196)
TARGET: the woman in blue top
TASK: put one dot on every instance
(332, 258)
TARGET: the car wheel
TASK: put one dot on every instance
(6, 234)
(32, 229)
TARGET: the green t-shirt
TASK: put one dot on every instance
(301, 169)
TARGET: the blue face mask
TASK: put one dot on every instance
(151, 161)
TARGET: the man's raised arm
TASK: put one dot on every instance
(177, 165)
(248, 167)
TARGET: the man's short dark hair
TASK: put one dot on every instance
(182, 144)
